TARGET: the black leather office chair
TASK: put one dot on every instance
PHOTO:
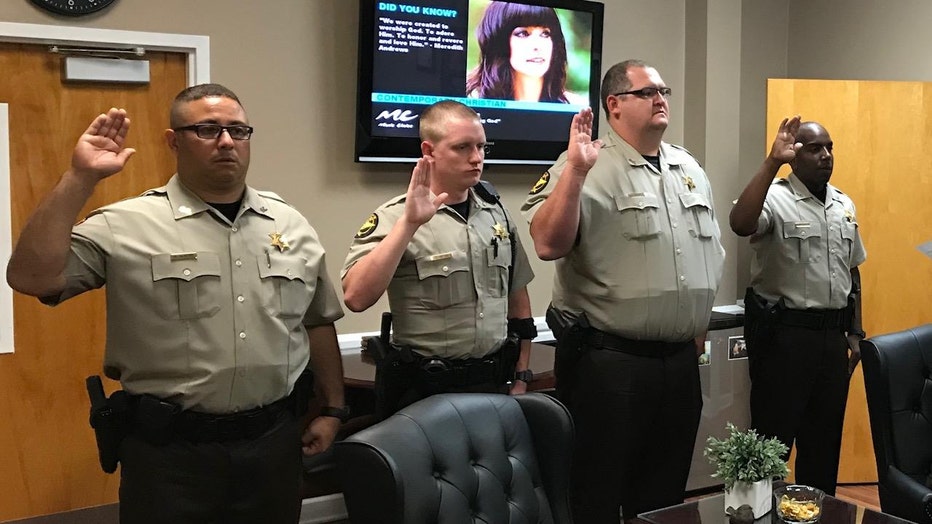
(462, 457)
(898, 380)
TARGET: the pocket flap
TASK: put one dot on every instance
(694, 199)
(801, 230)
(187, 268)
(442, 264)
(274, 264)
(636, 201)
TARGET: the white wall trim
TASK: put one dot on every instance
(197, 47)
(6, 233)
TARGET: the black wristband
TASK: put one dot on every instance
(524, 328)
(340, 413)
(858, 332)
(525, 375)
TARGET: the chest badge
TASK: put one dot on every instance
(278, 240)
(688, 180)
(500, 231)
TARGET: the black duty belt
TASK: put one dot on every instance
(460, 372)
(820, 319)
(598, 339)
(157, 420)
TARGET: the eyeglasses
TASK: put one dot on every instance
(648, 92)
(213, 131)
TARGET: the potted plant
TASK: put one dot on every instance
(747, 464)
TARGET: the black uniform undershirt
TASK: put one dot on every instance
(227, 210)
(654, 160)
(462, 208)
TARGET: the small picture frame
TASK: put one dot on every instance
(737, 348)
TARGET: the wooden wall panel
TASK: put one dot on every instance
(48, 459)
(883, 160)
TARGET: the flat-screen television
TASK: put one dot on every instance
(526, 66)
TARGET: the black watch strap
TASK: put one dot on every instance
(525, 375)
(340, 413)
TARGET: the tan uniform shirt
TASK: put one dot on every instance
(804, 249)
(449, 294)
(204, 313)
(649, 257)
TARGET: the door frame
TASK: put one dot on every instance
(197, 49)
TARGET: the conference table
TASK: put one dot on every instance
(711, 510)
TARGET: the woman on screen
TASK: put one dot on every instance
(523, 55)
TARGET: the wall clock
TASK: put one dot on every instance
(73, 7)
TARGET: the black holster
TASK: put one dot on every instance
(110, 419)
(394, 375)
(760, 317)
(570, 330)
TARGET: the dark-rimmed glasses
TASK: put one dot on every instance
(213, 131)
(648, 92)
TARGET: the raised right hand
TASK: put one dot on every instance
(99, 152)
(784, 145)
(420, 204)
(582, 151)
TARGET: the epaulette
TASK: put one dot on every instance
(271, 195)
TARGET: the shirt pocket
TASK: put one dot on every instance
(444, 280)
(849, 233)
(639, 215)
(186, 287)
(800, 241)
(285, 292)
(499, 260)
(699, 210)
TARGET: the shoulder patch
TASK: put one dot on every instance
(368, 226)
(541, 183)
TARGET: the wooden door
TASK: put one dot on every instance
(882, 132)
(48, 457)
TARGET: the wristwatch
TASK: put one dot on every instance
(858, 332)
(340, 413)
(525, 375)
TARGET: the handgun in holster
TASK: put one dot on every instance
(760, 316)
(570, 330)
(508, 359)
(110, 419)
(394, 370)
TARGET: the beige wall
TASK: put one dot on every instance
(293, 63)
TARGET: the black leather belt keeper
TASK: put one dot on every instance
(819, 319)
(597, 339)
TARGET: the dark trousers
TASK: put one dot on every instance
(636, 421)
(245, 481)
(799, 386)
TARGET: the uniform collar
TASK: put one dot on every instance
(802, 192)
(185, 203)
(669, 155)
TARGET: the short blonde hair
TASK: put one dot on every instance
(433, 119)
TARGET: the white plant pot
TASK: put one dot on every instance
(758, 495)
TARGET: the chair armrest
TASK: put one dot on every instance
(912, 500)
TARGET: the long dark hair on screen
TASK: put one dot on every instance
(493, 77)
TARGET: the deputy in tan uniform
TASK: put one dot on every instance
(803, 309)
(629, 220)
(217, 301)
(453, 265)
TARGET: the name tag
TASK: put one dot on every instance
(175, 257)
(441, 256)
